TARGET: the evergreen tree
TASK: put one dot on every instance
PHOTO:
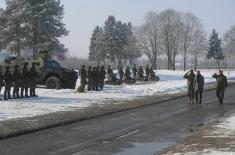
(93, 49)
(215, 48)
(109, 38)
(35, 25)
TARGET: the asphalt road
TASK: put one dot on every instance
(140, 131)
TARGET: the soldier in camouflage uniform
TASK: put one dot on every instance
(222, 84)
(141, 73)
(110, 74)
(127, 74)
(25, 75)
(134, 71)
(89, 77)
(190, 83)
(121, 73)
(102, 77)
(1, 79)
(7, 82)
(16, 79)
(33, 76)
(83, 76)
(147, 71)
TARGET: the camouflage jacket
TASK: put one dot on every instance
(222, 81)
(190, 80)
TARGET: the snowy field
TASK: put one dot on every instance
(66, 99)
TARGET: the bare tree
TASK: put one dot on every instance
(198, 47)
(147, 37)
(191, 24)
(170, 34)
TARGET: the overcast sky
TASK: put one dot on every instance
(81, 16)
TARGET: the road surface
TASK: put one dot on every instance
(140, 131)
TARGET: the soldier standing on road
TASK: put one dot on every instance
(198, 86)
(83, 76)
(16, 79)
(97, 78)
(1, 79)
(147, 71)
(25, 75)
(7, 80)
(33, 76)
(222, 84)
(102, 77)
(89, 77)
(134, 70)
(190, 81)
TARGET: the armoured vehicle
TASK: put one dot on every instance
(51, 73)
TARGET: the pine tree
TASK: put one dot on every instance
(36, 24)
(93, 49)
(109, 37)
(215, 48)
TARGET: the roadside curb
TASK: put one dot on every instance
(16, 127)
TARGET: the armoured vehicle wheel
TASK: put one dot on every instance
(53, 83)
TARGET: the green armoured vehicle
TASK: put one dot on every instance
(52, 75)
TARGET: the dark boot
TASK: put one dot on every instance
(14, 94)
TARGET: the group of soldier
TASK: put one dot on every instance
(22, 81)
(138, 74)
(195, 84)
(94, 76)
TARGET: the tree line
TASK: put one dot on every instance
(30, 26)
(168, 34)
(114, 41)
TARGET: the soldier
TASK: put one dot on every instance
(7, 80)
(16, 79)
(1, 79)
(102, 77)
(25, 75)
(222, 83)
(190, 80)
(134, 71)
(121, 73)
(147, 71)
(198, 86)
(97, 78)
(93, 79)
(89, 77)
(98, 74)
(127, 73)
(110, 74)
(152, 74)
(141, 73)
(83, 76)
(33, 76)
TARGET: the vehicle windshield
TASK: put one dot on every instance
(52, 64)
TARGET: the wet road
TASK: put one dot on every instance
(141, 131)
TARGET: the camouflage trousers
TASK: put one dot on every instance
(7, 91)
(16, 89)
(24, 88)
(1, 83)
(33, 88)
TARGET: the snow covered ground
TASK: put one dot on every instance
(223, 133)
(65, 100)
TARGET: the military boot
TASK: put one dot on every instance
(14, 95)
